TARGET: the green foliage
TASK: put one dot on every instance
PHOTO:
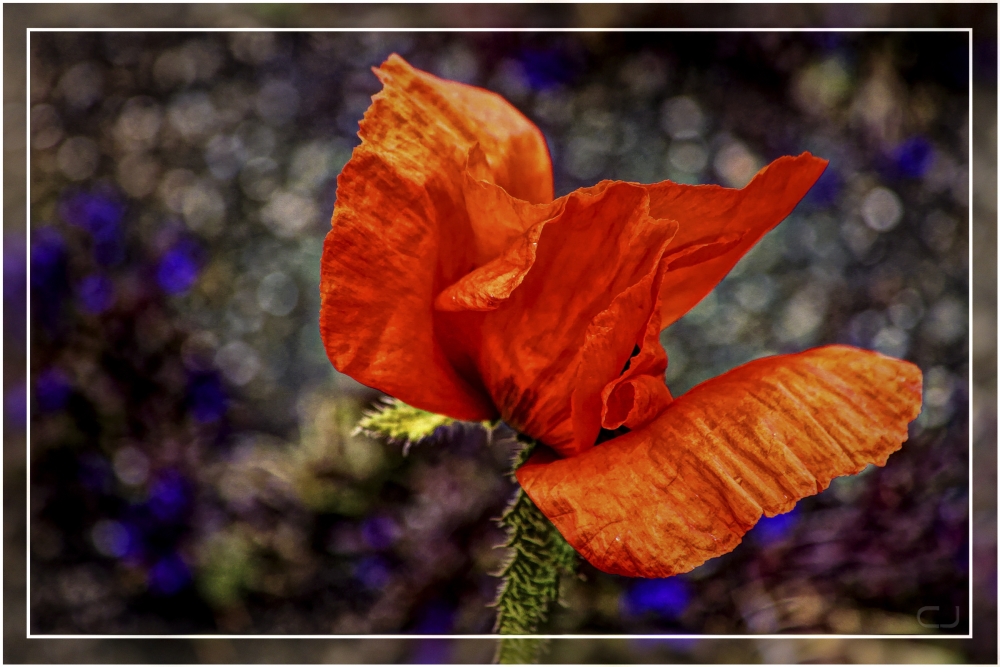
(530, 579)
(229, 566)
(401, 422)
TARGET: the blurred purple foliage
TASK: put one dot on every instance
(169, 575)
(207, 397)
(96, 294)
(178, 268)
(373, 572)
(100, 215)
(15, 405)
(169, 496)
(914, 156)
(547, 68)
(52, 390)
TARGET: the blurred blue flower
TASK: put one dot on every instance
(169, 496)
(825, 191)
(372, 571)
(772, 529)
(52, 390)
(15, 283)
(827, 41)
(207, 399)
(15, 273)
(435, 618)
(136, 548)
(665, 597)
(178, 268)
(15, 405)
(546, 68)
(432, 652)
(137, 522)
(379, 532)
(913, 157)
(48, 276)
(96, 294)
(48, 253)
(169, 575)
(101, 215)
(94, 211)
(679, 644)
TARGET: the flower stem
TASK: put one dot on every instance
(530, 579)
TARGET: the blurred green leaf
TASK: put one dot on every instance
(229, 567)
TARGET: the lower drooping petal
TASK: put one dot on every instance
(662, 500)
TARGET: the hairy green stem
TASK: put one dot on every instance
(530, 579)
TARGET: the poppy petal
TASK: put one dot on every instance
(506, 254)
(434, 123)
(377, 286)
(497, 217)
(640, 393)
(634, 402)
(400, 231)
(664, 499)
(551, 321)
(600, 383)
(718, 225)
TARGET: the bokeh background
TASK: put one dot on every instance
(193, 467)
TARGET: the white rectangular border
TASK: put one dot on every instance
(969, 330)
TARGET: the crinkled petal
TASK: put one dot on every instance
(497, 217)
(377, 286)
(507, 255)
(717, 225)
(401, 233)
(664, 499)
(551, 321)
(432, 125)
(640, 393)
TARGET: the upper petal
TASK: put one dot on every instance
(435, 123)
(717, 226)
(401, 233)
(664, 499)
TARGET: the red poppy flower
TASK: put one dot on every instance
(453, 281)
